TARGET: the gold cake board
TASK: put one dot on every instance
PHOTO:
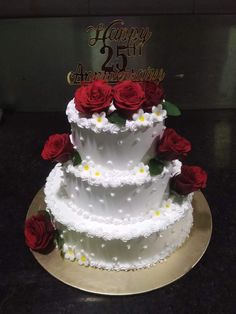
(133, 281)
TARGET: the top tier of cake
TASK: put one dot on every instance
(113, 146)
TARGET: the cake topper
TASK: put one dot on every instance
(119, 43)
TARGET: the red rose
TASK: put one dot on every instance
(128, 97)
(94, 97)
(172, 145)
(154, 95)
(58, 148)
(39, 233)
(191, 178)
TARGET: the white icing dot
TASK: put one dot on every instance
(81, 138)
(137, 190)
(145, 247)
(120, 142)
(160, 235)
(77, 188)
(100, 147)
(88, 189)
(82, 251)
(112, 194)
(92, 254)
(101, 201)
(88, 157)
(64, 231)
(128, 246)
(120, 211)
(103, 245)
(75, 147)
(109, 162)
(129, 199)
(72, 196)
(81, 240)
(115, 258)
(90, 205)
(138, 139)
(61, 236)
(139, 257)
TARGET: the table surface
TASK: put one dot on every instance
(25, 287)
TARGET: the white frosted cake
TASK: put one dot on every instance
(111, 195)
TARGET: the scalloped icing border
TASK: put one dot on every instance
(117, 178)
(87, 123)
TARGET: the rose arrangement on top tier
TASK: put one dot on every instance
(128, 98)
(93, 98)
(154, 94)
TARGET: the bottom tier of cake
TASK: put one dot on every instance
(126, 246)
(116, 254)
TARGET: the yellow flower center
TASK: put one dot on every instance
(83, 258)
(141, 118)
(158, 113)
(167, 205)
(86, 167)
(157, 212)
(141, 170)
(99, 119)
(97, 173)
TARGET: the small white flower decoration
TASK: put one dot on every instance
(157, 212)
(69, 252)
(99, 119)
(158, 114)
(96, 172)
(86, 167)
(141, 170)
(82, 259)
(167, 203)
(141, 118)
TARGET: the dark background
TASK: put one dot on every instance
(40, 41)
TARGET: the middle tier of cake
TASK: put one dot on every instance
(115, 195)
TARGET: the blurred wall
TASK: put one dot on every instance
(41, 41)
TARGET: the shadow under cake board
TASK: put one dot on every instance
(134, 281)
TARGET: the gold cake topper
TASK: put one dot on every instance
(119, 43)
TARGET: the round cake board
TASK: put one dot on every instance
(134, 281)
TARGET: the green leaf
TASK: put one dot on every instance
(155, 167)
(172, 110)
(116, 118)
(76, 159)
